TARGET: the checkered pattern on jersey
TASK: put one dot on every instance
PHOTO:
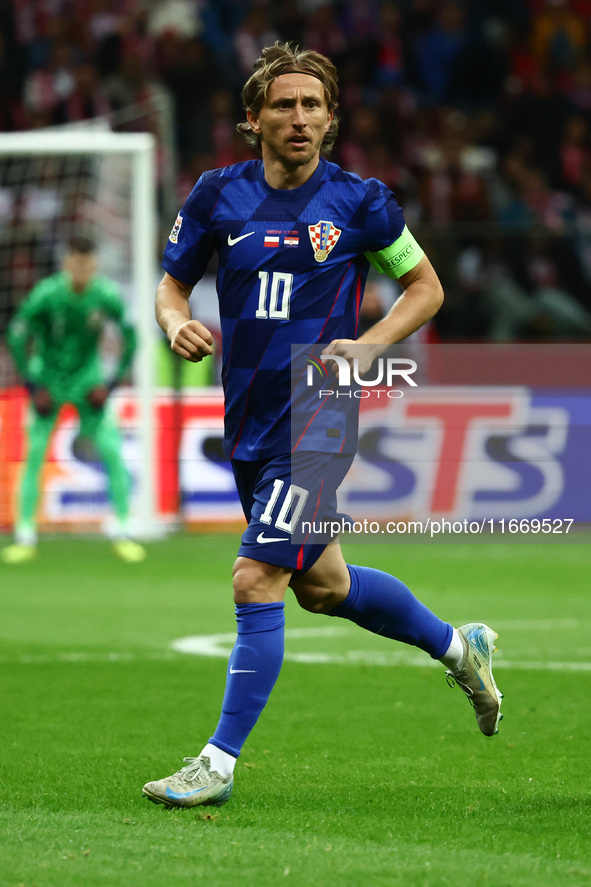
(274, 296)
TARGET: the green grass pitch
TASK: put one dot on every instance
(364, 769)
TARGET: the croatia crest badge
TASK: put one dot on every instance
(323, 237)
(174, 234)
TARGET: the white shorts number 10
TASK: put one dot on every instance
(294, 501)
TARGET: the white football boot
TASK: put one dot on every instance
(474, 675)
(192, 786)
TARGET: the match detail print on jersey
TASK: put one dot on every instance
(323, 237)
(401, 256)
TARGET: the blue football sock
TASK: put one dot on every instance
(383, 604)
(254, 666)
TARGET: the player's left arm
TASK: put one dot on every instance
(25, 328)
(116, 312)
(421, 298)
(392, 250)
(128, 346)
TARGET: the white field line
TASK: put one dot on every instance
(539, 624)
(220, 646)
(44, 658)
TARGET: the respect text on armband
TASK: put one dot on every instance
(400, 257)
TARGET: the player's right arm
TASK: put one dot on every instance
(188, 337)
(22, 330)
(185, 259)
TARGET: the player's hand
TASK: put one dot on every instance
(97, 396)
(192, 341)
(42, 401)
(350, 349)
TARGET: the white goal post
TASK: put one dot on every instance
(137, 151)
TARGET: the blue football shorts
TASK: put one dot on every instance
(281, 497)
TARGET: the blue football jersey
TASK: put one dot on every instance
(291, 271)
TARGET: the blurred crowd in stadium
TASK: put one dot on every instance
(477, 114)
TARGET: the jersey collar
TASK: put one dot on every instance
(305, 190)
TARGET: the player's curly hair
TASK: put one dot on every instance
(287, 58)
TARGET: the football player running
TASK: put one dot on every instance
(295, 236)
(54, 338)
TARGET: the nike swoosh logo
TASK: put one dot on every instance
(241, 671)
(233, 240)
(179, 795)
(262, 539)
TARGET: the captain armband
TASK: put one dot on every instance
(398, 258)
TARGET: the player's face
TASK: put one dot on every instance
(81, 267)
(294, 120)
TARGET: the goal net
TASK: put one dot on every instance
(53, 185)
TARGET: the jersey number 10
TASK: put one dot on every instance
(281, 284)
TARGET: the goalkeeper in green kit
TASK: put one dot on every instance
(54, 339)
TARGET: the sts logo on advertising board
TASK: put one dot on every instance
(473, 453)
